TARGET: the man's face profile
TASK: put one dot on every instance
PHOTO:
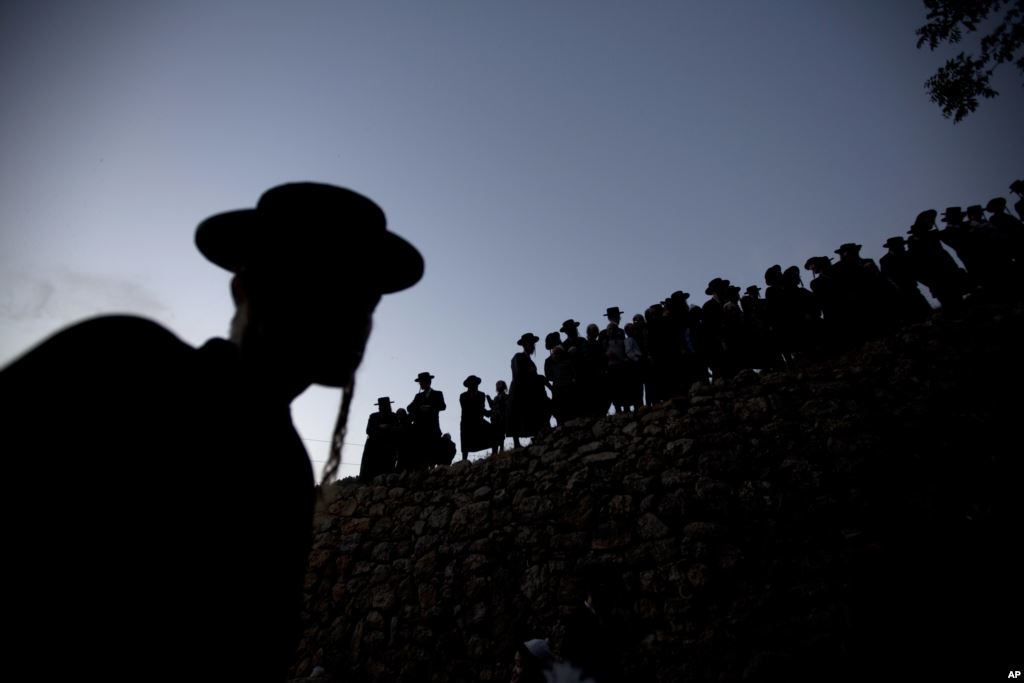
(311, 328)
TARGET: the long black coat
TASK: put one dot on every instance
(529, 408)
(424, 411)
(474, 431)
(383, 441)
(157, 510)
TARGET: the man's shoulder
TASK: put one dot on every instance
(114, 338)
(122, 333)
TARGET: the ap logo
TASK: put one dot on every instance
(1014, 674)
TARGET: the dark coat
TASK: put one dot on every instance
(158, 508)
(424, 411)
(474, 430)
(528, 402)
(499, 418)
(383, 441)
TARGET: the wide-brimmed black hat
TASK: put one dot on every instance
(312, 227)
(976, 210)
(384, 400)
(817, 260)
(471, 381)
(924, 222)
(423, 376)
(849, 246)
(952, 213)
(717, 285)
(996, 204)
(894, 241)
(752, 288)
(679, 294)
(528, 337)
(569, 325)
(613, 311)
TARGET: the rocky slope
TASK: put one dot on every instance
(853, 518)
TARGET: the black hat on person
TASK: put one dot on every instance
(471, 381)
(849, 247)
(996, 205)
(817, 261)
(894, 242)
(717, 285)
(569, 325)
(423, 377)
(975, 210)
(679, 294)
(383, 401)
(552, 339)
(529, 337)
(924, 222)
(312, 227)
(952, 214)
(752, 288)
(1017, 186)
(613, 312)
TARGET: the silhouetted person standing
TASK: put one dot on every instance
(778, 324)
(613, 341)
(1017, 187)
(380, 455)
(575, 348)
(573, 342)
(896, 266)
(932, 266)
(561, 378)
(499, 416)
(836, 320)
(755, 320)
(595, 373)
(528, 402)
(713, 328)
(634, 383)
(958, 236)
(424, 411)
(474, 430)
(865, 295)
(181, 493)
(407, 452)
(1009, 229)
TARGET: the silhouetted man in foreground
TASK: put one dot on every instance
(159, 505)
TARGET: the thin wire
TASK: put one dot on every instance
(347, 443)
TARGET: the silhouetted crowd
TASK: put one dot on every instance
(660, 353)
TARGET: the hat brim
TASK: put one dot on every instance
(234, 240)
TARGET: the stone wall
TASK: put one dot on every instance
(841, 520)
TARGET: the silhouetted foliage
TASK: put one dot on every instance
(957, 86)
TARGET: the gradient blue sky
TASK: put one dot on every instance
(550, 159)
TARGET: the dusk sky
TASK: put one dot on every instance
(549, 159)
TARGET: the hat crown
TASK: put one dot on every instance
(312, 228)
(528, 338)
(320, 203)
